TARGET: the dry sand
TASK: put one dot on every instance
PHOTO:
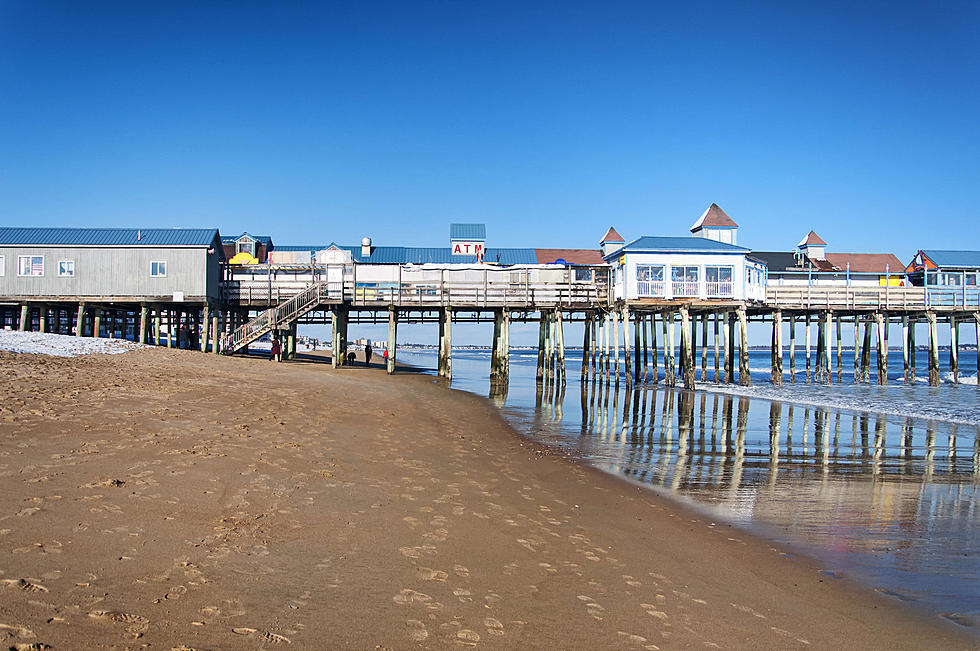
(172, 499)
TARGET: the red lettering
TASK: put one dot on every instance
(456, 250)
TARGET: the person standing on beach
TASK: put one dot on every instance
(367, 355)
(384, 356)
(276, 351)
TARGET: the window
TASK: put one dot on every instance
(30, 265)
(718, 274)
(583, 275)
(3, 265)
(684, 274)
(248, 246)
(158, 269)
(66, 268)
(649, 280)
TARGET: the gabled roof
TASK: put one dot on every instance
(962, 259)
(650, 244)
(261, 239)
(714, 217)
(570, 256)
(28, 236)
(469, 232)
(611, 236)
(811, 239)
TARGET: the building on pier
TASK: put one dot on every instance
(704, 266)
(811, 265)
(110, 264)
(247, 248)
(954, 275)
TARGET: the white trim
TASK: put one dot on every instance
(3, 265)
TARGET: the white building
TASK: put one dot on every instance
(706, 266)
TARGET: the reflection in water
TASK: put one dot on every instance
(891, 499)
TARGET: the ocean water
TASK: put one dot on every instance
(877, 483)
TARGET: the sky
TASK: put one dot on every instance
(549, 122)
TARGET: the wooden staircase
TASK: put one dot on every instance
(280, 315)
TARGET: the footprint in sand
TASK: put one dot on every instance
(134, 623)
(653, 612)
(494, 626)
(407, 596)
(637, 640)
(416, 630)
(463, 595)
(265, 636)
(429, 574)
(25, 585)
(459, 570)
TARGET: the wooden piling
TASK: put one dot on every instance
(156, 326)
(840, 350)
(25, 317)
(500, 358)
(144, 318)
(205, 324)
(42, 318)
(716, 342)
(777, 344)
(639, 333)
(882, 350)
(792, 348)
(933, 350)
(744, 378)
(826, 346)
(560, 342)
(954, 349)
(727, 345)
(627, 362)
(704, 347)
(731, 345)
(905, 347)
(654, 373)
(857, 349)
(614, 333)
(594, 346)
(667, 331)
(976, 321)
(216, 332)
(80, 320)
(586, 343)
(687, 353)
(446, 343)
(392, 338)
(338, 337)
(866, 352)
(291, 341)
(912, 351)
(807, 338)
(821, 348)
(97, 323)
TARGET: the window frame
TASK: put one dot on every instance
(718, 268)
(251, 244)
(158, 263)
(3, 265)
(30, 265)
(66, 275)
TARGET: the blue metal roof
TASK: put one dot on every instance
(650, 244)
(293, 247)
(956, 259)
(231, 239)
(468, 232)
(28, 236)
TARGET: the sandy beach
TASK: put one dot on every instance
(169, 499)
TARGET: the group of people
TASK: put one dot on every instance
(275, 353)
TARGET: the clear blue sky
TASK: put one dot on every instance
(314, 122)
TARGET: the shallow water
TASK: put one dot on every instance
(878, 483)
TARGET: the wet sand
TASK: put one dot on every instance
(174, 499)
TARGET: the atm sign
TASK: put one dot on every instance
(468, 248)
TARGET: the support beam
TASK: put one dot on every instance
(614, 333)
(743, 348)
(290, 347)
(857, 349)
(446, 343)
(840, 350)
(882, 349)
(626, 347)
(586, 343)
(203, 329)
(954, 349)
(821, 348)
(665, 318)
(687, 352)
(792, 349)
(500, 357)
(97, 323)
(338, 337)
(933, 350)
(144, 325)
(826, 346)
(905, 347)
(560, 342)
(912, 351)
(704, 347)
(542, 334)
(25, 318)
(654, 372)
(156, 326)
(392, 337)
(216, 332)
(42, 318)
(866, 352)
(777, 343)
(80, 320)
(731, 346)
(807, 339)
(717, 361)
(639, 332)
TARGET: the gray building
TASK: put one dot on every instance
(110, 264)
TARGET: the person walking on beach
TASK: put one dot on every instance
(275, 352)
(367, 355)
(384, 356)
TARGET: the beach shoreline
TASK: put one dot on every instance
(170, 498)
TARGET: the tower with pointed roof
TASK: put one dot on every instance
(812, 246)
(611, 241)
(714, 224)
